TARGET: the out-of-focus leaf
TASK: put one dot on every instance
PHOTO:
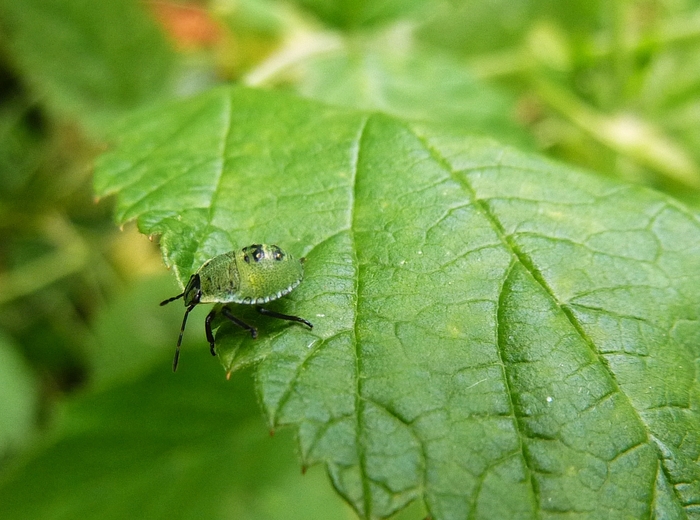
(411, 83)
(353, 14)
(484, 320)
(90, 60)
(262, 17)
(18, 399)
(21, 146)
(180, 446)
(488, 25)
(675, 104)
(130, 330)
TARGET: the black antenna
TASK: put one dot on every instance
(164, 302)
(176, 359)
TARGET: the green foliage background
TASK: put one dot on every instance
(496, 335)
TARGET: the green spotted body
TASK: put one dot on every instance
(254, 275)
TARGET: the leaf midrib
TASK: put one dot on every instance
(224, 157)
(359, 402)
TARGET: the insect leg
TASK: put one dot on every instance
(253, 331)
(176, 359)
(287, 317)
(207, 329)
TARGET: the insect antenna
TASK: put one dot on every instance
(164, 302)
(176, 359)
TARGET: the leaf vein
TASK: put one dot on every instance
(224, 145)
(359, 405)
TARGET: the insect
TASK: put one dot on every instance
(253, 275)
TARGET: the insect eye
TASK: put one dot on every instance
(258, 254)
(277, 253)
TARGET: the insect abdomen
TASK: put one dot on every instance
(266, 273)
(255, 274)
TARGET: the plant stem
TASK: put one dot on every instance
(70, 257)
(635, 138)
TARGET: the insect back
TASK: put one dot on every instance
(254, 275)
(265, 273)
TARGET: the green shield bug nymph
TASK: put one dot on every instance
(253, 275)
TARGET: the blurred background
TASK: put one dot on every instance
(611, 86)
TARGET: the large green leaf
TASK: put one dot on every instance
(495, 335)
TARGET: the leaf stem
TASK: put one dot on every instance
(297, 50)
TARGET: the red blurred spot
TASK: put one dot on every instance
(190, 25)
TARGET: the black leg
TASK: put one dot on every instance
(176, 359)
(207, 329)
(253, 331)
(280, 316)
